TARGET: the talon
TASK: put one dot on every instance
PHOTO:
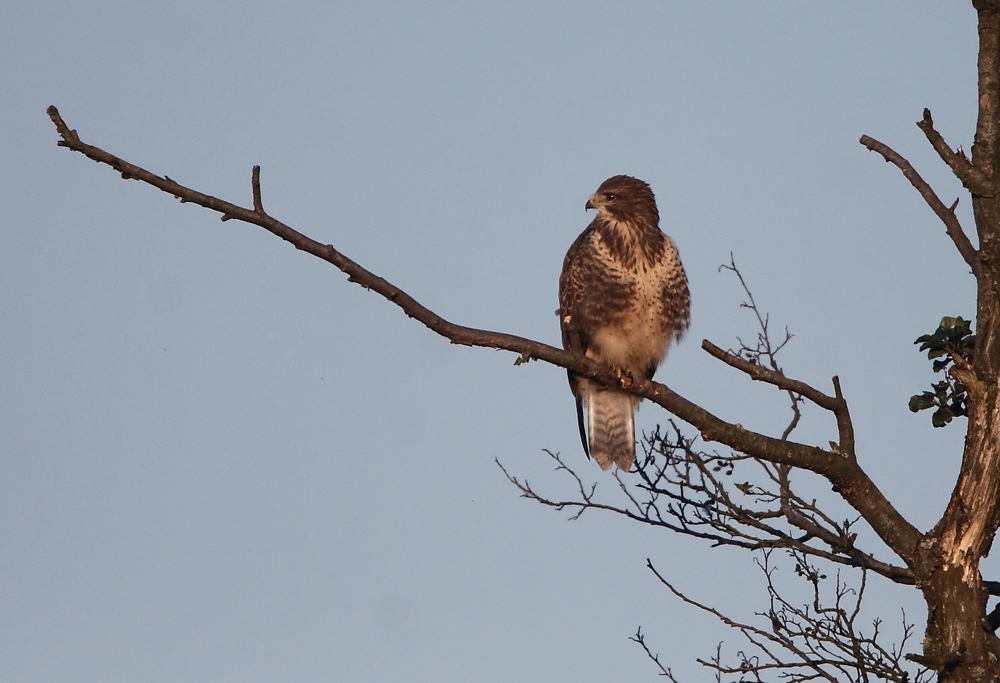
(624, 377)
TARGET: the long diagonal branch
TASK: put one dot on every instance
(844, 473)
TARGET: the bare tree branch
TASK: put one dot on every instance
(812, 641)
(760, 373)
(972, 178)
(844, 473)
(641, 640)
(836, 404)
(945, 213)
(693, 493)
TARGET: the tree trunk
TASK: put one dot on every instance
(958, 641)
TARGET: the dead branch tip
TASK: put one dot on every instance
(258, 204)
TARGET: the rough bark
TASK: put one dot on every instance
(957, 641)
(956, 597)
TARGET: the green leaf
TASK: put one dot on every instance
(953, 339)
(941, 417)
(921, 402)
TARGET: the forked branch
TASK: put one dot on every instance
(835, 404)
(970, 176)
(946, 213)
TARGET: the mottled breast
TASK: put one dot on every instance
(654, 313)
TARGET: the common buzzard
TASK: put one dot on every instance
(623, 297)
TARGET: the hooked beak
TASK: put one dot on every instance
(590, 204)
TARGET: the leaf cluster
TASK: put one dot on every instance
(952, 340)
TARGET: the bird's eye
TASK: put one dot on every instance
(610, 196)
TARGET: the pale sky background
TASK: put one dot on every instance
(220, 461)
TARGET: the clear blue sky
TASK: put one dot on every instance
(220, 461)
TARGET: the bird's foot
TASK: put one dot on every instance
(625, 379)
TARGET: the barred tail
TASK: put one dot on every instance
(611, 417)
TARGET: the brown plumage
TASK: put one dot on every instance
(623, 297)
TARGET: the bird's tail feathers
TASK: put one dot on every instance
(611, 428)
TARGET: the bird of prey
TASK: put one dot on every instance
(623, 297)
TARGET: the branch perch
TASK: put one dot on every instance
(842, 472)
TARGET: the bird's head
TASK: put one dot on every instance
(623, 197)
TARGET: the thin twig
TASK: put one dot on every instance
(641, 640)
(816, 640)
